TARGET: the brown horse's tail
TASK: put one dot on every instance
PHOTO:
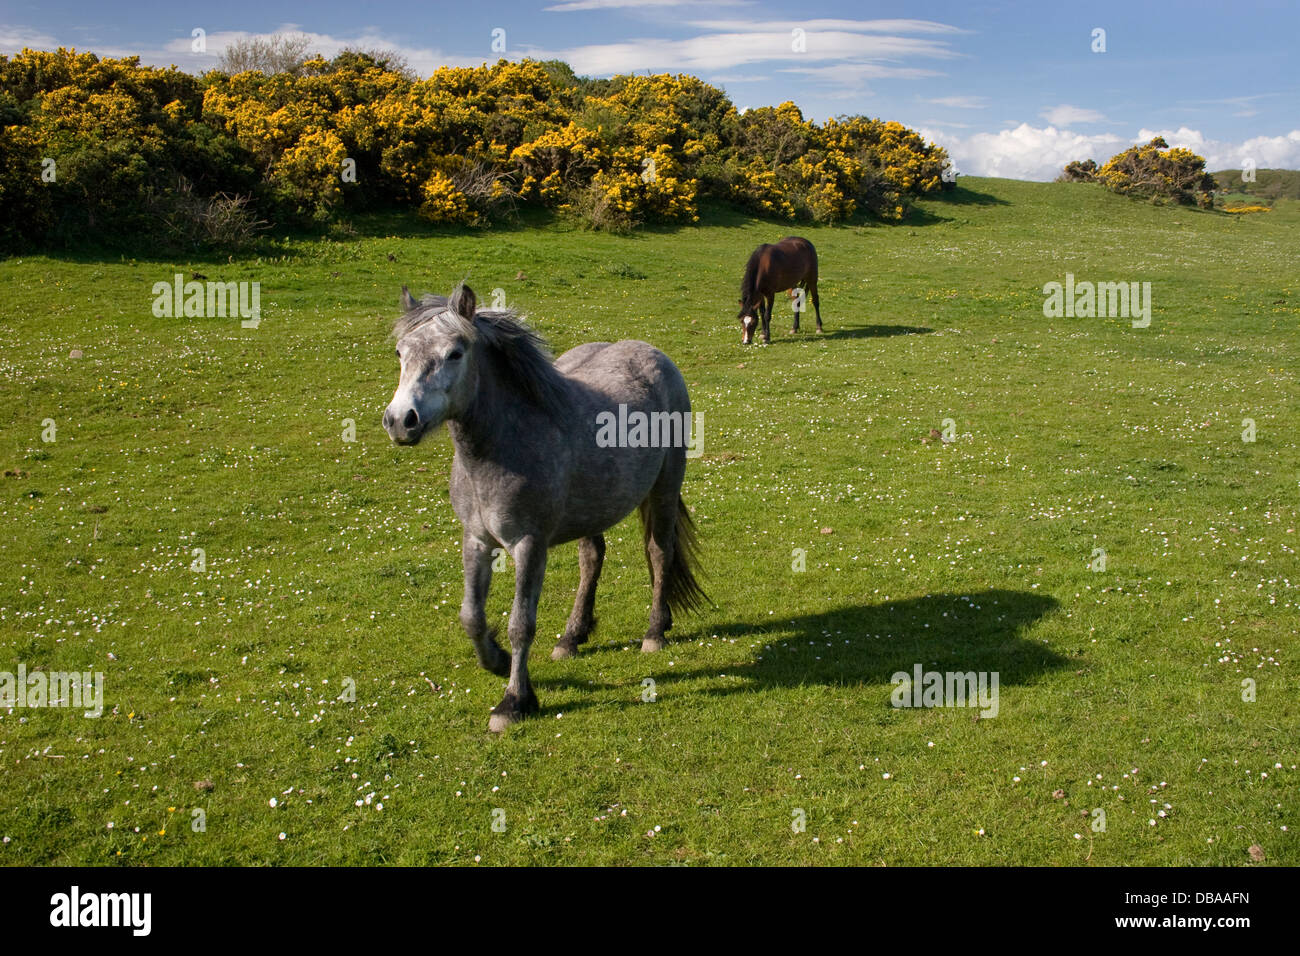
(682, 590)
(749, 282)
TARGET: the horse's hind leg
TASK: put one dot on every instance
(519, 700)
(659, 516)
(591, 557)
(477, 558)
(817, 304)
(795, 303)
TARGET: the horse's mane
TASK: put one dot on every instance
(520, 355)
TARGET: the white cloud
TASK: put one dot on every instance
(570, 6)
(961, 102)
(1268, 152)
(1025, 152)
(14, 39)
(1028, 152)
(1244, 105)
(709, 52)
(855, 72)
(853, 26)
(1065, 115)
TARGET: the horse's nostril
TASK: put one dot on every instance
(411, 419)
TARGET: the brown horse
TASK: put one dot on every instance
(775, 267)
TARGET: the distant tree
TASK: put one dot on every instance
(775, 136)
(360, 58)
(561, 74)
(1155, 171)
(1079, 172)
(279, 53)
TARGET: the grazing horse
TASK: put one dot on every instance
(773, 268)
(538, 462)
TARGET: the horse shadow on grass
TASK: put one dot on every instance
(867, 332)
(865, 645)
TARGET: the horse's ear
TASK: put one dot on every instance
(408, 302)
(463, 302)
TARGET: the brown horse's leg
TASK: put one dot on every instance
(591, 557)
(768, 301)
(817, 304)
(794, 300)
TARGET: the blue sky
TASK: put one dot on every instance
(1012, 89)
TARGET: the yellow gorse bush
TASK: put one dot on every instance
(465, 145)
(1155, 171)
(443, 202)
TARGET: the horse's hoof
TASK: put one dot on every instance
(511, 710)
(499, 722)
(652, 644)
(563, 651)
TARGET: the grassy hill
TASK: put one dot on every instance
(327, 561)
(1269, 184)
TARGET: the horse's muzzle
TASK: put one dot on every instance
(404, 431)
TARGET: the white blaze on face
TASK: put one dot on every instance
(414, 392)
(421, 401)
(749, 323)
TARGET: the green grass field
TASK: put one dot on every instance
(325, 560)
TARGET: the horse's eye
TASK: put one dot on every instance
(398, 353)
(455, 354)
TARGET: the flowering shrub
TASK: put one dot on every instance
(556, 160)
(443, 202)
(307, 175)
(1155, 171)
(1079, 172)
(133, 144)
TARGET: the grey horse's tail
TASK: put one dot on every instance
(682, 591)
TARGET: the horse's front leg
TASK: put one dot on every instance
(767, 318)
(477, 558)
(519, 699)
(794, 302)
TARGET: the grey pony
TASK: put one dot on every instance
(529, 473)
